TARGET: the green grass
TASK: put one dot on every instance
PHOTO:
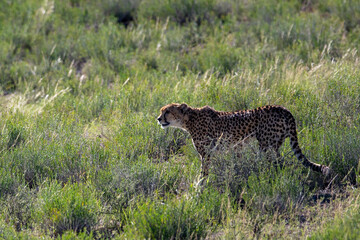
(72, 207)
(189, 218)
(81, 85)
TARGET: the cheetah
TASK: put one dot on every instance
(209, 128)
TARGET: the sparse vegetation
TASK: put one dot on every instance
(81, 84)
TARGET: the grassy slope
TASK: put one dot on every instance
(81, 84)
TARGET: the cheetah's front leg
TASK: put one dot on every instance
(204, 156)
(205, 165)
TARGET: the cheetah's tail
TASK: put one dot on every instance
(307, 163)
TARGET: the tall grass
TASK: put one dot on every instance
(187, 218)
(81, 84)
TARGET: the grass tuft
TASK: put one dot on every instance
(72, 207)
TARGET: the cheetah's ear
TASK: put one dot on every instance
(183, 107)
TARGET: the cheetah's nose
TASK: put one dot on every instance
(159, 119)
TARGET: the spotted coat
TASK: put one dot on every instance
(209, 128)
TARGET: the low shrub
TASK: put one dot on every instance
(72, 207)
(183, 12)
(261, 180)
(345, 225)
(8, 232)
(8, 182)
(17, 208)
(192, 218)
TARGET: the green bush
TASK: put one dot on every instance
(221, 57)
(124, 182)
(72, 207)
(8, 232)
(184, 219)
(17, 208)
(8, 183)
(343, 226)
(275, 190)
(179, 11)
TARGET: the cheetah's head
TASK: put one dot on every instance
(173, 115)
